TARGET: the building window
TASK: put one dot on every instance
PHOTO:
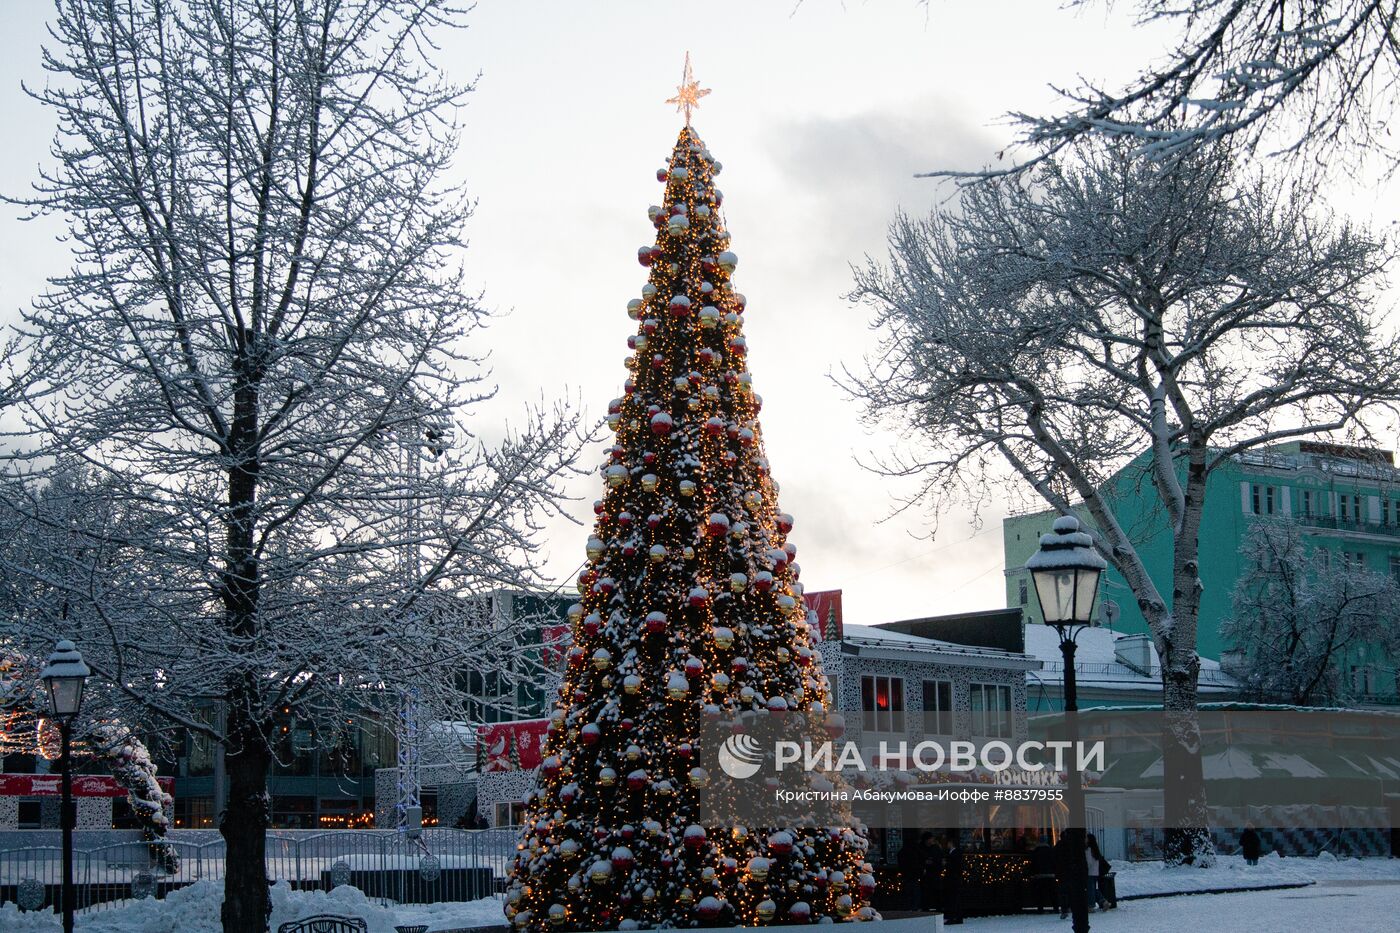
(1022, 591)
(938, 706)
(1361, 679)
(991, 710)
(1389, 512)
(1262, 499)
(509, 814)
(1395, 567)
(1354, 560)
(1306, 504)
(882, 703)
(1349, 507)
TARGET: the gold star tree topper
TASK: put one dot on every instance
(689, 92)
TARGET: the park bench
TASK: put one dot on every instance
(325, 923)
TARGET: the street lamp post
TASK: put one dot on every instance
(1066, 572)
(64, 678)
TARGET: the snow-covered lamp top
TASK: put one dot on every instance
(1066, 571)
(64, 677)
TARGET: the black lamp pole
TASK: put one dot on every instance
(67, 819)
(1066, 571)
(64, 677)
(1074, 794)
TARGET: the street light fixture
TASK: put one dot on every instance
(64, 678)
(1066, 571)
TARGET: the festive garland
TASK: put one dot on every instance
(131, 765)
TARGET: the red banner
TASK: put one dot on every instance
(826, 604)
(555, 642)
(84, 785)
(512, 746)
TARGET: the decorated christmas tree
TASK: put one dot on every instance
(690, 610)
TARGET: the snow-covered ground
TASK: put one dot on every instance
(195, 909)
(1351, 906)
(1350, 894)
(1230, 871)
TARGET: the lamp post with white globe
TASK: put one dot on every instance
(64, 679)
(1066, 571)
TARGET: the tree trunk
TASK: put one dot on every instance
(1185, 818)
(244, 828)
(247, 736)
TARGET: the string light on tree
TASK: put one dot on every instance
(689, 610)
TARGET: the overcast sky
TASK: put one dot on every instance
(821, 113)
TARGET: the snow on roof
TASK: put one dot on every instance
(886, 638)
(1096, 662)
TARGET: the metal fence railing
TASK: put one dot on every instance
(445, 865)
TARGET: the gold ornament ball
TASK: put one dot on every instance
(724, 637)
(650, 482)
(631, 684)
(766, 910)
(686, 897)
(607, 777)
(557, 914)
(687, 488)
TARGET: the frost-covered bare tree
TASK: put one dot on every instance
(1320, 77)
(1302, 614)
(1048, 330)
(248, 377)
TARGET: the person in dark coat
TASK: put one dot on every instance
(911, 875)
(1250, 845)
(952, 880)
(1064, 853)
(933, 871)
(1042, 875)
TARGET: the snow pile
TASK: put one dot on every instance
(1230, 871)
(195, 909)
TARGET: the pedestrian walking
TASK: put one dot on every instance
(1097, 866)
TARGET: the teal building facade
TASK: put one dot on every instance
(1345, 498)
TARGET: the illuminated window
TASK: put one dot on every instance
(882, 703)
